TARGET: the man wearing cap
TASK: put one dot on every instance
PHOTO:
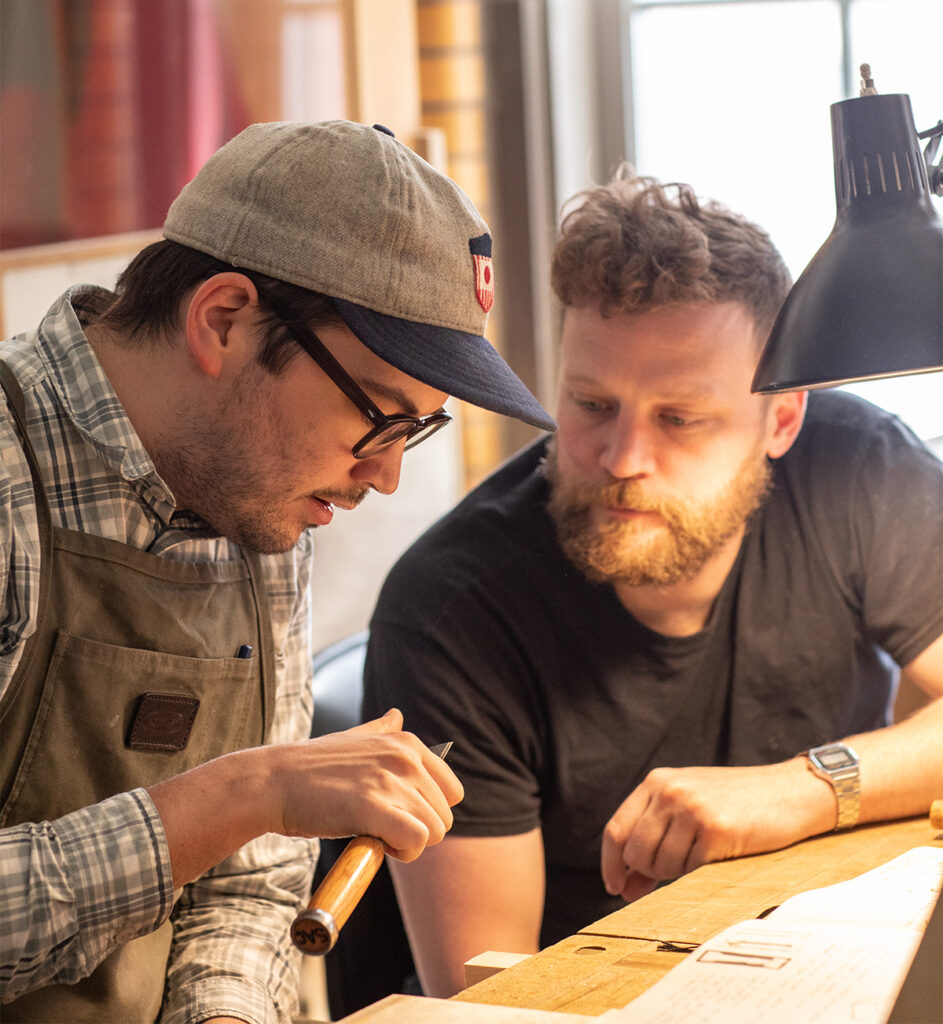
(319, 293)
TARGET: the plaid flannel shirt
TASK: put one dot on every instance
(77, 887)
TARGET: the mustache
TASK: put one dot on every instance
(610, 493)
(616, 494)
(352, 497)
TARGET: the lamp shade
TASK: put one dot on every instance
(870, 303)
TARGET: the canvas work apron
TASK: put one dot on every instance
(131, 677)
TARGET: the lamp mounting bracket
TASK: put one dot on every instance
(934, 170)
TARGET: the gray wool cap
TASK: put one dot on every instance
(346, 210)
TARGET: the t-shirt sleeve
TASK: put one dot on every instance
(453, 672)
(901, 530)
(890, 487)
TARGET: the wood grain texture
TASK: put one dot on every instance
(613, 960)
(582, 974)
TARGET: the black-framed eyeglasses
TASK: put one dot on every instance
(386, 430)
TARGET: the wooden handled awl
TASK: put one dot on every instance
(316, 928)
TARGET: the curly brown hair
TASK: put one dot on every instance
(635, 244)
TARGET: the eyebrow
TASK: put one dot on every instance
(693, 394)
(683, 394)
(399, 398)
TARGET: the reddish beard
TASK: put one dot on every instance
(612, 550)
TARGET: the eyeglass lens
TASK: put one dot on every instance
(391, 432)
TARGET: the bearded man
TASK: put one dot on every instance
(632, 629)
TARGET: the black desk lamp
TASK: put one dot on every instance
(870, 303)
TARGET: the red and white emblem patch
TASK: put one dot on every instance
(480, 249)
(484, 281)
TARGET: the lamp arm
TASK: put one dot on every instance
(934, 171)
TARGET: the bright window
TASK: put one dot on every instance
(733, 96)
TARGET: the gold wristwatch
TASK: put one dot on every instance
(838, 765)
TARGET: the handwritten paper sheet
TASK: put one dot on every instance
(836, 955)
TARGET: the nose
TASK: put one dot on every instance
(381, 471)
(628, 448)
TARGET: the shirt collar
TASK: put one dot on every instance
(86, 393)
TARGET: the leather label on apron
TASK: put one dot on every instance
(162, 722)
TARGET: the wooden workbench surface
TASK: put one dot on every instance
(616, 958)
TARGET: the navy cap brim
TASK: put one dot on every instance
(460, 364)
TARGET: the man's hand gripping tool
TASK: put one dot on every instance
(315, 929)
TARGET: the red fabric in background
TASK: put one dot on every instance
(107, 108)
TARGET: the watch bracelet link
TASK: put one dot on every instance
(848, 796)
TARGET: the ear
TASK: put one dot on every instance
(218, 316)
(784, 417)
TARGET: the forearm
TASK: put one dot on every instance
(901, 766)
(211, 811)
(681, 818)
(901, 773)
(467, 896)
(76, 888)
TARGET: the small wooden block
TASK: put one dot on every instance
(488, 963)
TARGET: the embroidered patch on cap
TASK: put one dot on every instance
(480, 249)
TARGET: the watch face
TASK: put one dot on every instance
(834, 757)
